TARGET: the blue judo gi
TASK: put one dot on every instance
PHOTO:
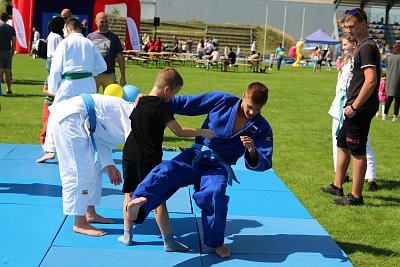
(208, 174)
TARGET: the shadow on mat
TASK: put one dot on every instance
(273, 249)
(38, 189)
(268, 248)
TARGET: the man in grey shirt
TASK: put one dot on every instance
(7, 49)
(110, 47)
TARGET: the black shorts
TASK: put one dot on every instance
(5, 60)
(135, 172)
(354, 133)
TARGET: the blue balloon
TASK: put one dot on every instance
(130, 92)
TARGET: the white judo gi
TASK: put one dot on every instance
(81, 177)
(336, 111)
(74, 54)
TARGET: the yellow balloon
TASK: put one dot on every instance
(114, 90)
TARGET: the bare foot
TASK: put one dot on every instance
(96, 218)
(46, 156)
(134, 206)
(88, 229)
(223, 251)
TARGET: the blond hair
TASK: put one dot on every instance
(346, 58)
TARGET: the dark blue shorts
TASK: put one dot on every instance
(354, 133)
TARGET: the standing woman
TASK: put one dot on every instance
(336, 111)
(393, 83)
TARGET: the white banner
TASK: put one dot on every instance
(19, 28)
(133, 33)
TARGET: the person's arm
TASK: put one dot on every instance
(46, 90)
(258, 154)
(179, 131)
(56, 70)
(121, 63)
(365, 92)
(193, 105)
(13, 44)
(114, 175)
(100, 64)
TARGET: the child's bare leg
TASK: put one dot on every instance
(222, 251)
(82, 226)
(93, 217)
(134, 206)
(162, 218)
(128, 231)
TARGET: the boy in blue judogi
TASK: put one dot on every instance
(239, 130)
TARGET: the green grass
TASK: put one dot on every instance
(297, 110)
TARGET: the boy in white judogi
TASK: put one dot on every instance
(75, 62)
(80, 173)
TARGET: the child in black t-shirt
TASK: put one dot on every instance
(143, 148)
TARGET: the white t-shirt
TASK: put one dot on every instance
(52, 42)
(36, 36)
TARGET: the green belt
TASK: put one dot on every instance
(76, 76)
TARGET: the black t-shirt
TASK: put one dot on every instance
(109, 45)
(148, 122)
(175, 48)
(232, 57)
(367, 54)
(6, 34)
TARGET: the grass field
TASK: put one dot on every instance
(297, 110)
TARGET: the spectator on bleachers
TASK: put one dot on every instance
(152, 45)
(212, 59)
(230, 60)
(255, 61)
(145, 38)
(184, 47)
(393, 83)
(253, 47)
(158, 45)
(238, 51)
(189, 43)
(175, 46)
(200, 49)
(215, 43)
(209, 47)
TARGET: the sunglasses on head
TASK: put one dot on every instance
(355, 12)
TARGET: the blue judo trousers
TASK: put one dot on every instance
(210, 175)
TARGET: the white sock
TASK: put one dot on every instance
(127, 237)
(171, 245)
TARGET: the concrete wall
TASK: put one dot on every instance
(148, 9)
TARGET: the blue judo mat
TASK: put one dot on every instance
(267, 224)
